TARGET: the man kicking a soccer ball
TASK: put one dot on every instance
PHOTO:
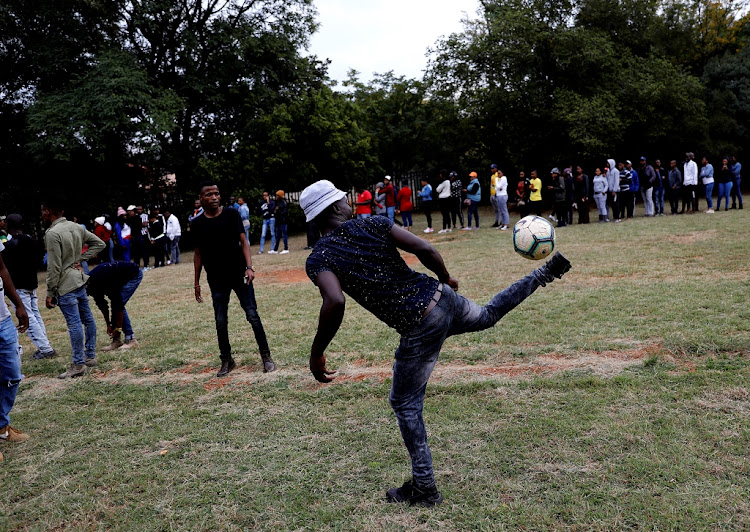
(361, 258)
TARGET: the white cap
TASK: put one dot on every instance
(99, 220)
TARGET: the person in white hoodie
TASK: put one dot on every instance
(444, 201)
(690, 184)
(613, 187)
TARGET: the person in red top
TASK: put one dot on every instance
(104, 235)
(405, 205)
(390, 197)
(363, 203)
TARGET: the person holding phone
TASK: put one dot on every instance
(222, 248)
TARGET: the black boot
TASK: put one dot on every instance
(268, 365)
(555, 268)
(227, 365)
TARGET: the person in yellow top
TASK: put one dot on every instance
(494, 182)
(535, 198)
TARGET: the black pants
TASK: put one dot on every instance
(625, 198)
(445, 210)
(674, 199)
(427, 209)
(246, 295)
(457, 209)
(690, 198)
(561, 208)
(157, 250)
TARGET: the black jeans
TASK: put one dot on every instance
(246, 295)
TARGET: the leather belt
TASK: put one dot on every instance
(435, 299)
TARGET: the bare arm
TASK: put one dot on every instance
(10, 290)
(425, 252)
(197, 267)
(249, 274)
(331, 315)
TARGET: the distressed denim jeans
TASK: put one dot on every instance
(37, 332)
(126, 293)
(418, 353)
(246, 295)
(10, 369)
(75, 307)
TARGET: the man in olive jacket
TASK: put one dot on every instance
(66, 283)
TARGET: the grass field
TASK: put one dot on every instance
(615, 398)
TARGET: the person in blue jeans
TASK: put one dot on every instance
(10, 358)
(266, 210)
(362, 259)
(66, 282)
(117, 281)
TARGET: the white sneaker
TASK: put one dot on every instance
(429, 230)
(504, 228)
(449, 230)
(169, 262)
(272, 252)
(284, 252)
(466, 229)
(552, 218)
(442, 231)
(260, 252)
(709, 211)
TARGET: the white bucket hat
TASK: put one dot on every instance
(315, 198)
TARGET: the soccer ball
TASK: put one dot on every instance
(533, 237)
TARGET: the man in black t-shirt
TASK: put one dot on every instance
(221, 247)
(361, 258)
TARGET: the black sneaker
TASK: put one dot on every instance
(414, 495)
(558, 265)
(49, 354)
(268, 365)
(227, 365)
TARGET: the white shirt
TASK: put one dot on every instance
(690, 173)
(444, 189)
(501, 186)
(173, 227)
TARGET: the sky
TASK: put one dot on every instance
(381, 35)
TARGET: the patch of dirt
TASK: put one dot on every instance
(695, 236)
(604, 364)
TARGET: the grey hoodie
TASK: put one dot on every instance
(613, 176)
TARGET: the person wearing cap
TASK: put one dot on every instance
(10, 359)
(362, 259)
(105, 235)
(221, 247)
(474, 195)
(494, 180)
(66, 283)
(690, 184)
(457, 204)
(22, 257)
(123, 234)
(390, 198)
(558, 186)
(281, 213)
